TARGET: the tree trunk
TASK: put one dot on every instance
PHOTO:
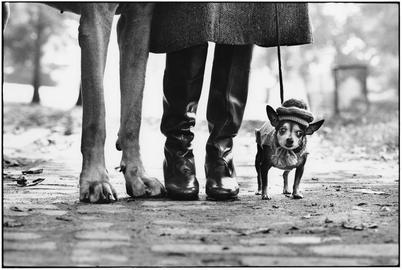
(37, 57)
(79, 100)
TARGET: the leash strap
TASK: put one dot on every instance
(278, 40)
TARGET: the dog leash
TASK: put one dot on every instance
(278, 40)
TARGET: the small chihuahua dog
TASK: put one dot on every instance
(282, 144)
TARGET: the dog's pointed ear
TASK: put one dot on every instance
(272, 116)
(313, 127)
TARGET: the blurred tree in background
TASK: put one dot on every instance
(366, 34)
(33, 30)
(349, 34)
(344, 33)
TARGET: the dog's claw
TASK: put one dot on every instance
(258, 192)
(97, 192)
(266, 197)
(297, 196)
(144, 187)
(123, 169)
(118, 145)
(286, 192)
(154, 187)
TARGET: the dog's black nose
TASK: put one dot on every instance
(289, 141)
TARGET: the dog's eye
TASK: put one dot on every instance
(282, 131)
(299, 134)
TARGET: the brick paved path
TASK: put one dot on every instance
(349, 216)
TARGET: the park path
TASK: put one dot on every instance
(349, 216)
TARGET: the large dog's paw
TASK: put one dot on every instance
(97, 192)
(266, 197)
(154, 188)
(140, 185)
(144, 187)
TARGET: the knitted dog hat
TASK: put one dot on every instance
(295, 110)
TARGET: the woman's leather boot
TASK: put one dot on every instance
(226, 104)
(182, 86)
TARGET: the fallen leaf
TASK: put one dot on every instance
(362, 203)
(16, 209)
(306, 217)
(327, 220)
(36, 181)
(33, 171)
(314, 179)
(257, 231)
(25, 183)
(64, 218)
(383, 204)
(21, 181)
(9, 162)
(275, 206)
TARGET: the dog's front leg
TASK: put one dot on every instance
(265, 166)
(285, 182)
(133, 31)
(298, 175)
(94, 32)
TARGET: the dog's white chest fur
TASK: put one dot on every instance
(280, 158)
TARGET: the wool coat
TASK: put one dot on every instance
(179, 25)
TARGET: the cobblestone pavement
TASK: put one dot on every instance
(349, 216)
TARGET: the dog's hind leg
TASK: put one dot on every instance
(94, 32)
(258, 158)
(285, 183)
(133, 31)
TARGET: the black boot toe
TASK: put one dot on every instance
(180, 180)
(221, 181)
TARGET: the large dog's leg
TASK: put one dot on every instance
(133, 31)
(94, 32)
